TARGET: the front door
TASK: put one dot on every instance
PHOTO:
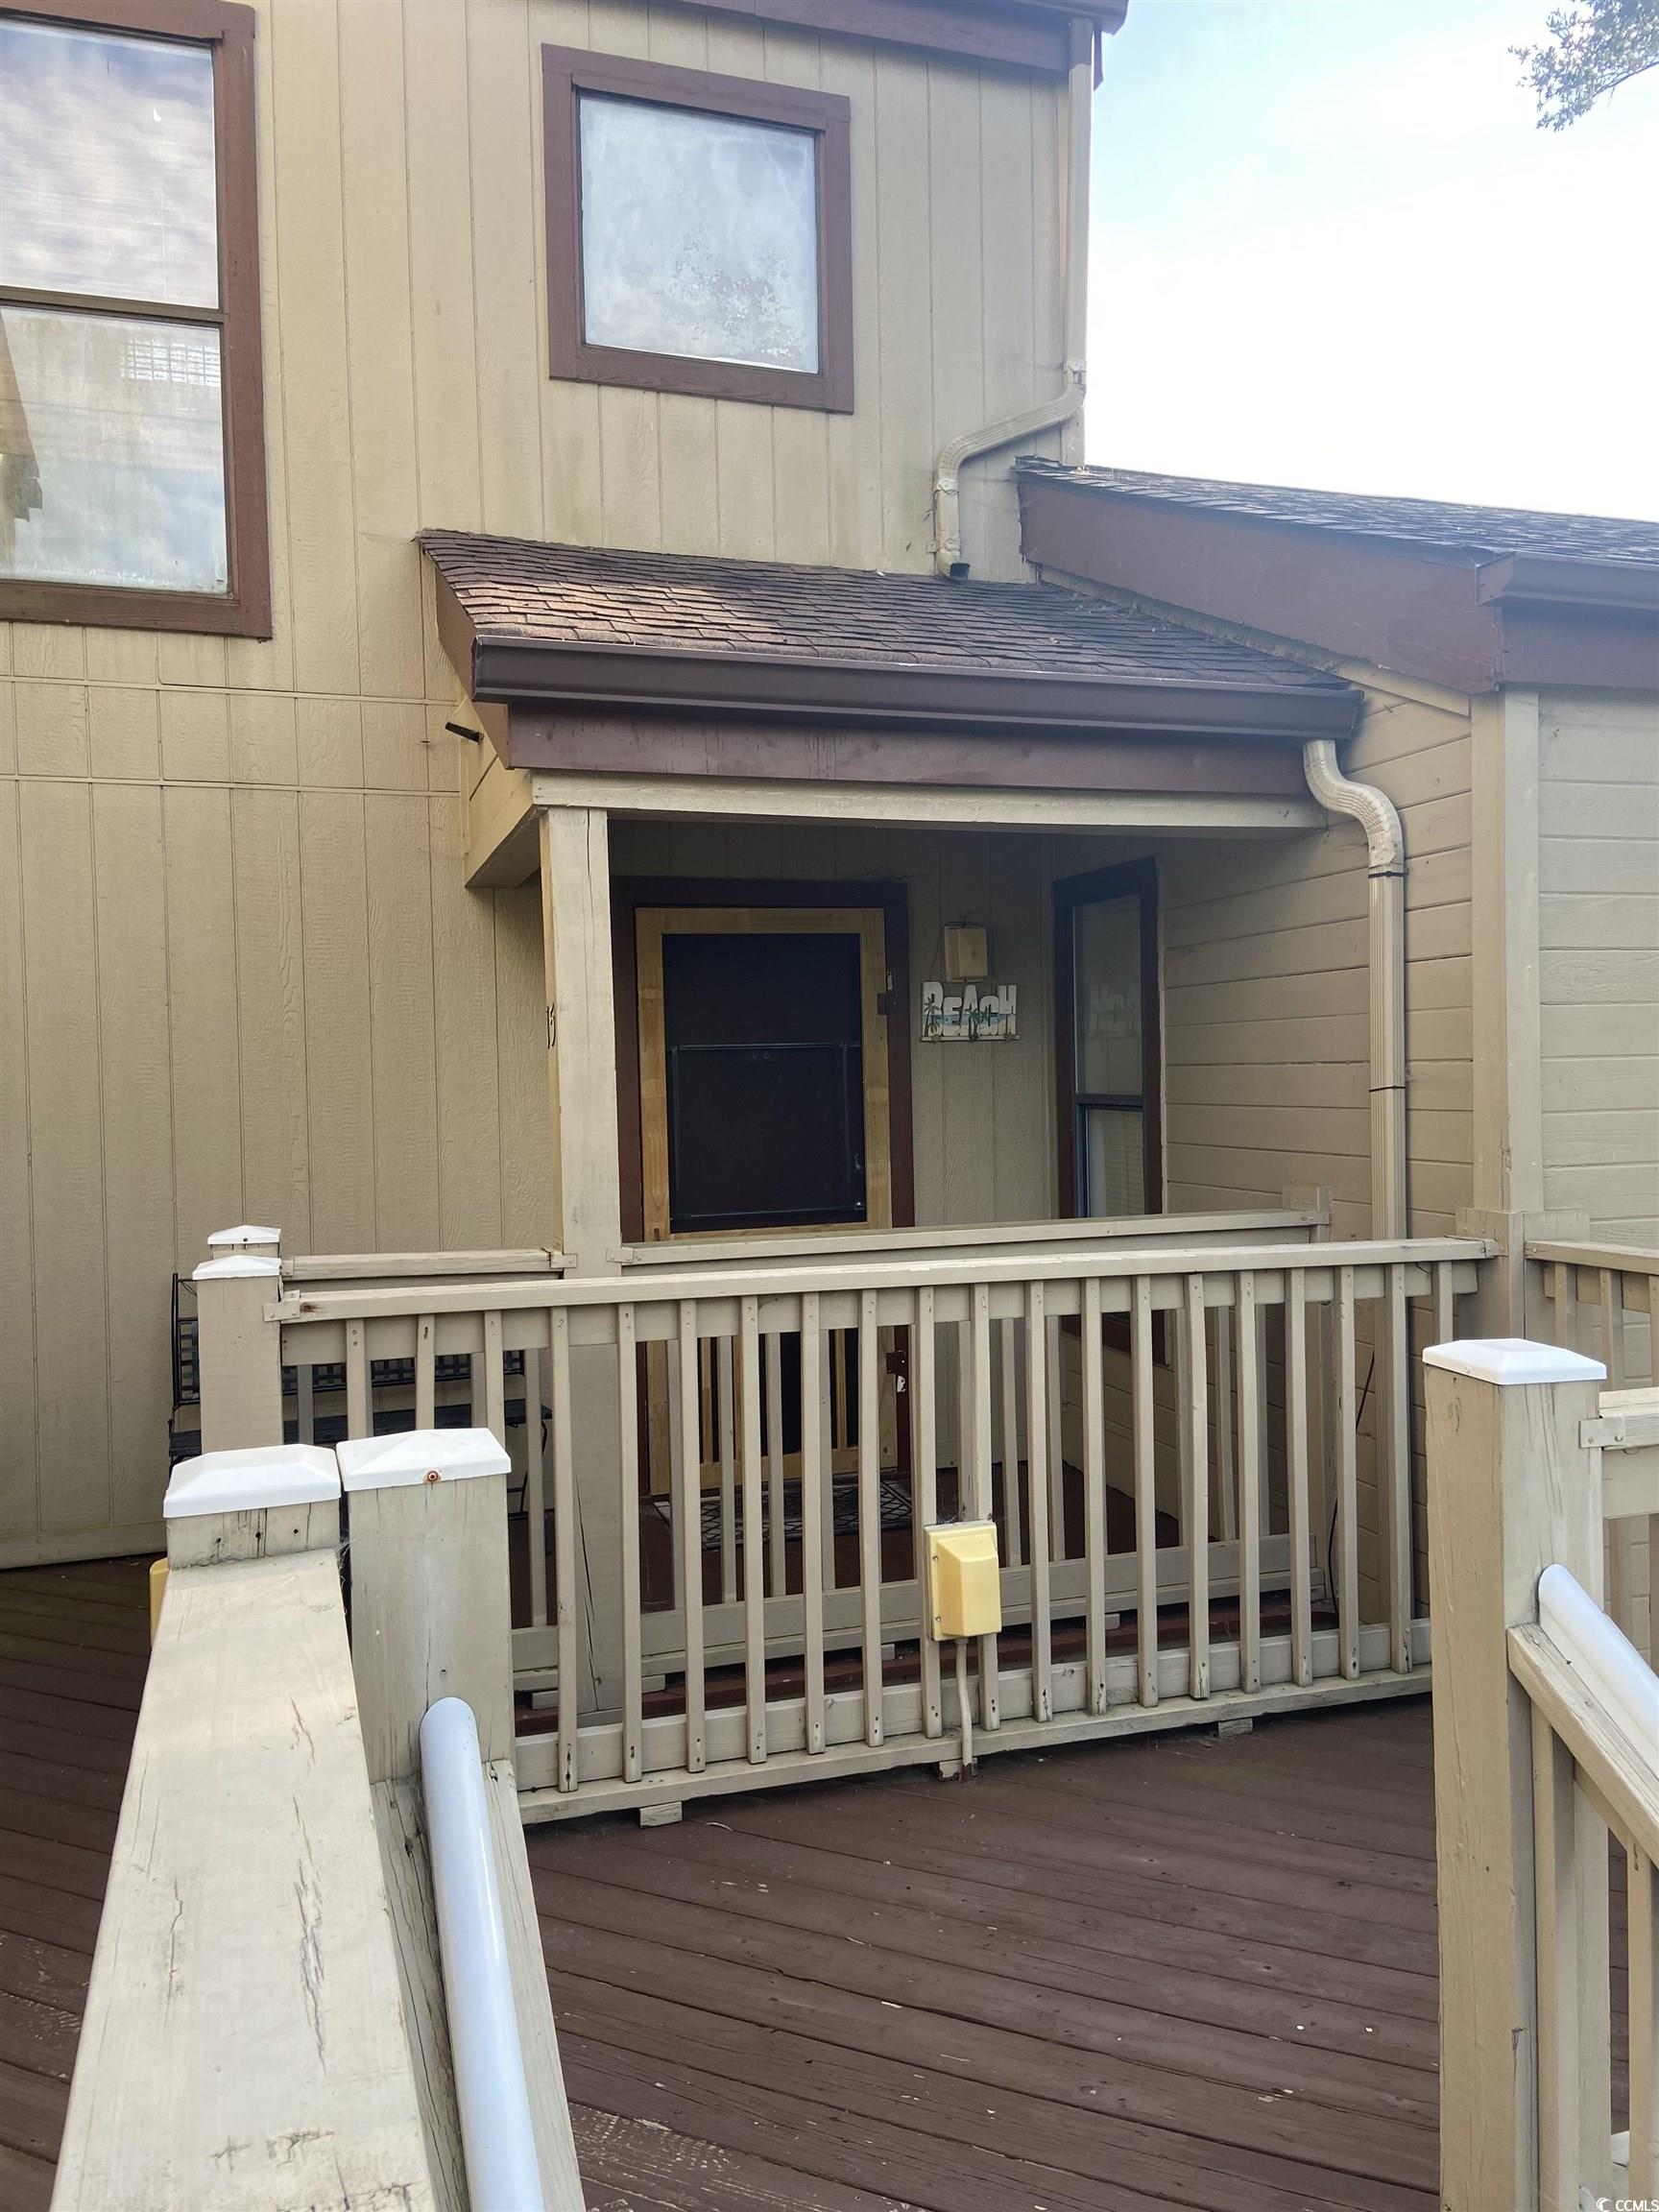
(764, 1107)
(762, 1070)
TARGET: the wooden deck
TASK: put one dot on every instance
(1167, 1972)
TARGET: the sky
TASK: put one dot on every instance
(1331, 249)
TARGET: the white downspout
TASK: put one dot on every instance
(1385, 845)
(1069, 403)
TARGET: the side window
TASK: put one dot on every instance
(699, 233)
(1106, 969)
(132, 465)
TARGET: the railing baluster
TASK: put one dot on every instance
(826, 1437)
(1094, 1492)
(775, 1557)
(628, 1531)
(1445, 1303)
(1012, 1537)
(1296, 1475)
(359, 1392)
(1397, 1471)
(1347, 1480)
(1643, 1923)
(1226, 1485)
(688, 1416)
(925, 1491)
(1566, 1305)
(1250, 1485)
(1611, 1285)
(1057, 1443)
(814, 1450)
(304, 1411)
(1195, 1504)
(1561, 2024)
(565, 1541)
(1146, 1495)
(494, 1379)
(754, 1541)
(426, 1371)
(870, 1511)
(1038, 1382)
(535, 1487)
(980, 1299)
(727, 1416)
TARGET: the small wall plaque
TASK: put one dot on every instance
(969, 1016)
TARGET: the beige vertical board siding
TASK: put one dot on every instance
(256, 985)
(1598, 958)
(201, 1032)
(339, 1020)
(380, 364)
(135, 1105)
(17, 1389)
(66, 1155)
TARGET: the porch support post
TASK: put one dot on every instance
(575, 844)
(1511, 1491)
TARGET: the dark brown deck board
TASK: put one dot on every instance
(1172, 1972)
(74, 1644)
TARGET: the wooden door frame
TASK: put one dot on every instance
(629, 894)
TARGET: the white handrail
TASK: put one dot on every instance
(497, 2140)
(1611, 1667)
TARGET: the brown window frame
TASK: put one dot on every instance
(566, 72)
(1129, 878)
(244, 610)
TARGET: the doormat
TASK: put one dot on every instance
(844, 1510)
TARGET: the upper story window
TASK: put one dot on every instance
(699, 233)
(131, 462)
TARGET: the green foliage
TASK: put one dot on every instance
(1592, 49)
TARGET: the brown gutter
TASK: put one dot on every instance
(1560, 582)
(519, 671)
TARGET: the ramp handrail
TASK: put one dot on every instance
(497, 2139)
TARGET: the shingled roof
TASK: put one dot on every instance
(546, 620)
(1440, 525)
(1471, 597)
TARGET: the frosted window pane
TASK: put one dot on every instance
(1106, 962)
(1114, 1163)
(107, 165)
(111, 451)
(699, 235)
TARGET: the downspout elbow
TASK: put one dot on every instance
(1374, 810)
(1385, 866)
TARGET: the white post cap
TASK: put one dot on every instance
(243, 1238)
(1513, 1362)
(417, 1456)
(249, 1481)
(235, 1265)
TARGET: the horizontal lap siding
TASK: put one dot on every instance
(1598, 958)
(239, 976)
(1267, 997)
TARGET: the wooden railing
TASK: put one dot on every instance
(267, 2022)
(1213, 1475)
(1604, 1301)
(1545, 1744)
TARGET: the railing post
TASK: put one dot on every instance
(430, 1610)
(1511, 1491)
(238, 1352)
(1509, 1299)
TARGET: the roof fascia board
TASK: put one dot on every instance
(516, 671)
(1019, 34)
(1368, 601)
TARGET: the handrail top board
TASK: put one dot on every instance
(1621, 1258)
(973, 1271)
(1624, 1786)
(809, 1245)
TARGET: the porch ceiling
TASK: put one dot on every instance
(536, 627)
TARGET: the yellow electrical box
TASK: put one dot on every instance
(963, 1579)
